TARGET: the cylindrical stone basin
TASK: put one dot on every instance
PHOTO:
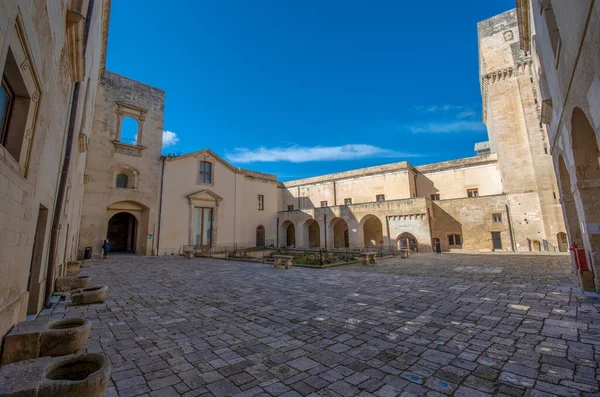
(72, 376)
(65, 336)
(38, 338)
(89, 295)
(81, 375)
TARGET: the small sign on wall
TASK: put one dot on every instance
(593, 228)
(149, 236)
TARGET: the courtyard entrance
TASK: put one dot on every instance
(122, 232)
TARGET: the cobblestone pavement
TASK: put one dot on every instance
(462, 325)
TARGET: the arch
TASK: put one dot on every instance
(339, 233)
(312, 233)
(563, 245)
(122, 232)
(260, 236)
(408, 241)
(287, 234)
(585, 147)
(568, 203)
(130, 130)
(117, 170)
(372, 230)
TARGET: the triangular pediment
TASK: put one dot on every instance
(206, 195)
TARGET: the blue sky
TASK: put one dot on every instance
(306, 87)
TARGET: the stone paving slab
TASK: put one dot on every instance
(432, 325)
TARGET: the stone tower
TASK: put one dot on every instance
(511, 111)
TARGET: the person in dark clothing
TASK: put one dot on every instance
(106, 248)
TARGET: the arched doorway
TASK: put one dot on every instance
(372, 231)
(260, 236)
(563, 245)
(287, 234)
(568, 203)
(122, 232)
(340, 236)
(313, 233)
(408, 241)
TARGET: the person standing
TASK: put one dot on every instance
(106, 248)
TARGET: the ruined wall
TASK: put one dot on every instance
(120, 97)
(472, 219)
(37, 45)
(511, 110)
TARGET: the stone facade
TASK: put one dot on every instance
(125, 213)
(229, 194)
(50, 56)
(561, 39)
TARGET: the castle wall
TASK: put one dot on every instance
(39, 49)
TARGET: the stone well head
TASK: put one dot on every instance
(74, 376)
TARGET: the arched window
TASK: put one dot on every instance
(122, 181)
(129, 131)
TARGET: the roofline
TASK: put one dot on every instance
(236, 170)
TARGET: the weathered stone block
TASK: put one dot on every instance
(72, 376)
(32, 339)
(88, 295)
(67, 283)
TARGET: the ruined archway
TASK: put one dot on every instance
(372, 230)
(339, 233)
(312, 234)
(408, 241)
(122, 232)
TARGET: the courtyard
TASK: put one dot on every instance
(450, 324)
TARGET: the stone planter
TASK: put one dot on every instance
(81, 264)
(73, 269)
(85, 296)
(32, 339)
(67, 283)
(72, 376)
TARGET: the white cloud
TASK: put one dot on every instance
(296, 154)
(169, 138)
(465, 114)
(445, 127)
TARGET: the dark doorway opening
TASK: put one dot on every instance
(497, 240)
(122, 231)
(260, 236)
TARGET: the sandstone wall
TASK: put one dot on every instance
(34, 36)
(116, 98)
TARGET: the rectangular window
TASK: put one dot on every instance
(323, 204)
(205, 175)
(261, 202)
(473, 193)
(290, 207)
(202, 226)
(454, 239)
(14, 107)
(347, 201)
(435, 197)
(380, 197)
(497, 218)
